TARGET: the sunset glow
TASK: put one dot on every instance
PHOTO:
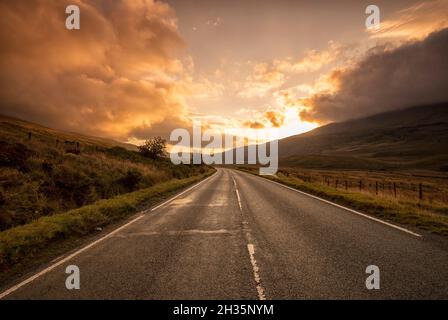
(138, 69)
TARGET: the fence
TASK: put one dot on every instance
(391, 188)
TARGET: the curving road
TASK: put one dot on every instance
(238, 236)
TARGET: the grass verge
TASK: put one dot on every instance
(430, 218)
(23, 245)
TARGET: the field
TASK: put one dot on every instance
(418, 199)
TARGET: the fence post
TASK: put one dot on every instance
(376, 187)
(346, 185)
(337, 182)
(395, 189)
(420, 191)
(360, 185)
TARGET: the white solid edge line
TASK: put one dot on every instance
(350, 210)
(71, 256)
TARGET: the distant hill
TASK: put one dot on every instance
(411, 138)
(415, 137)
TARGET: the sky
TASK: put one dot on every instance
(141, 68)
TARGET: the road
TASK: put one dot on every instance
(238, 236)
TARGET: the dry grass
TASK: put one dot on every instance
(42, 175)
(429, 215)
(380, 183)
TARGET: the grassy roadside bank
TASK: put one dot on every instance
(424, 216)
(43, 239)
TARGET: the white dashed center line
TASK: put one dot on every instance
(250, 249)
(260, 289)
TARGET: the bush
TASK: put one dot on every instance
(71, 185)
(14, 155)
(131, 180)
(153, 148)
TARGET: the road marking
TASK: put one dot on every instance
(175, 233)
(237, 195)
(71, 256)
(350, 210)
(178, 195)
(250, 249)
(253, 261)
(239, 199)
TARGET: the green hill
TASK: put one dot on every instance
(46, 172)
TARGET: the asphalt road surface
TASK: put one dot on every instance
(238, 236)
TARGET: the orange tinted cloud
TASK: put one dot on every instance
(269, 76)
(275, 118)
(253, 124)
(114, 76)
(415, 22)
(313, 60)
(263, 79)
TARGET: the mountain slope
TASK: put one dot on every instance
(411, 138)
(415, 137)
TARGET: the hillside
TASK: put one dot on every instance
(16, 128)
(415, 138)
(45, 172)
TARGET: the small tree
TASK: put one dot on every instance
(153, 148)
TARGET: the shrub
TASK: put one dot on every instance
(153, 148)
(130, 180)
(14, 155)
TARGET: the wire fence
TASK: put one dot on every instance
(387, 187)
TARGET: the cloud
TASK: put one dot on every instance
(268, 119)
(275, 118)
(385, 79)
(115, 76)
(415, 22)
(162, 128)
(253, 124)
(266, 77)
(215, 22)
(263, 79)
(313, 60)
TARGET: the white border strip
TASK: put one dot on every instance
(41, 273)
(348, 209)
(71, 256)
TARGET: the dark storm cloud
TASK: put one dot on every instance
(386, 79)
